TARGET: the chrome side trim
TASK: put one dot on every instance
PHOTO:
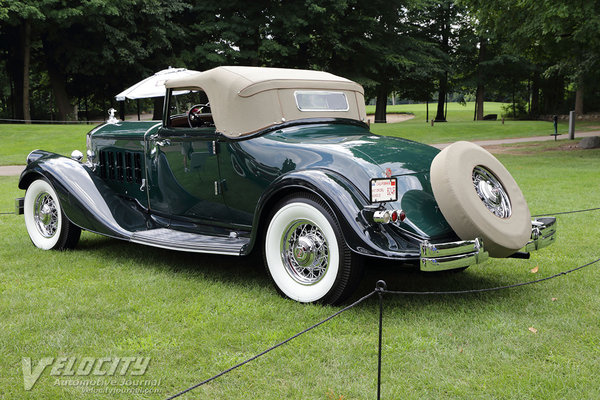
(543, 234)
(451, 255)
(191, 242)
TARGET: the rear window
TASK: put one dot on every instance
(317, 100)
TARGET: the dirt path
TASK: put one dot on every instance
(392, 118)
(497, 142)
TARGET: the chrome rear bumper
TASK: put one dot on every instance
(454, 255)
(543, 234)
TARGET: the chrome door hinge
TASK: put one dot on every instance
(215, 147)
(220, 187)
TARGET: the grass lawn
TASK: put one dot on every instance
(18, 140)
(460, 125)
(195, 315)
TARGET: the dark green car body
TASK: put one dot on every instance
(199, 181)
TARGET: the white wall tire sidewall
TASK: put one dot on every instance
(36, 188)
(452, 184)
(285, 283)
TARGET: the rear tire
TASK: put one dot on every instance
(305, 253)
(46, 224)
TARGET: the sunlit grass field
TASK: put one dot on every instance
(460, 125)
(195, 315)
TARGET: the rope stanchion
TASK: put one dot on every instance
(380, 288)
(357, 302)
(492, 289)
(567, 212)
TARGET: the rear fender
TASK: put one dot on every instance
(85, 199)
(347, 203)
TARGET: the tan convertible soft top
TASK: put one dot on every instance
(247, 99)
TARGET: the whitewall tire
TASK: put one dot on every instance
(479, 198)
(305, 253)
(45, 221)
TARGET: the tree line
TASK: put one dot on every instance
(61, 57)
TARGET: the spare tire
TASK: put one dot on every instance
(479, 198)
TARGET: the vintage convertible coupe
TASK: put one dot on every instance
(281, 161)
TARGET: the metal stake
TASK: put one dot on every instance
(380, 287)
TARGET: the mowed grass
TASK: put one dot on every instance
(19, 140)
(460, 125)
(196, 315)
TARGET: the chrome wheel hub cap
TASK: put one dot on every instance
(45, 215)
(304, 252)
(491, 192)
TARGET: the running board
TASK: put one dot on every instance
(193, 242)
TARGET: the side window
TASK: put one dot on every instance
(189, 109)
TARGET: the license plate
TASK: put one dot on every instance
(383, 190)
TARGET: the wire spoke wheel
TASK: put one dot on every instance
(304, 252)
(45, 214)
(45, 221)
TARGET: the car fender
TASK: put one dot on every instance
(85, 199)
(347, 203)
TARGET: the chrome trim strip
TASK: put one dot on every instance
(188, 249)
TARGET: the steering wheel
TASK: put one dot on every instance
(195, 113)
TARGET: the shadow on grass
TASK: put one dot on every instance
(249, 271)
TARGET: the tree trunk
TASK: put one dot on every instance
(58, 81)
(26, 44)
(534, 110)
(445, 46)
(440, 117)
(157, 115)
(14, 64)
(579, 99)
(479, 102)
(381, 104)
(479, 95)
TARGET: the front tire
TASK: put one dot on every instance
(45, 221)
(305, 253)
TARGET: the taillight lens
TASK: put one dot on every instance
(401, 216)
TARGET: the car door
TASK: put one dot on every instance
(183, 174)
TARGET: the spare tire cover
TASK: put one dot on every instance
(479, 198)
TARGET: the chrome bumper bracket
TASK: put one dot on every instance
(543, 234)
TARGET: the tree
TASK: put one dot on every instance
(558, 38)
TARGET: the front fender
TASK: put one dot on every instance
(85, 199)
(347, 203)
